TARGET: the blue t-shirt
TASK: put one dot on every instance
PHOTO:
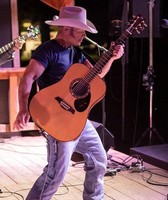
(56, 60)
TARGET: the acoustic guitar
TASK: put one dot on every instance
(63, 108)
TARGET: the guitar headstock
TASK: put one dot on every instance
(33, 31)
(137, 24)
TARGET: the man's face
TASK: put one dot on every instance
(76, 36)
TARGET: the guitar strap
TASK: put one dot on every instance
(79, 51)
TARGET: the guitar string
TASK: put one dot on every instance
(102, 61)
(92, 73)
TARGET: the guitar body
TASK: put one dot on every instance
(60, 112)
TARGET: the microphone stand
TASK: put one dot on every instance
(148, 80)
(99, 47)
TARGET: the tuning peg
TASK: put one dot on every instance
(30, 27)
(144, 23)
(137, 31)
(35, 37)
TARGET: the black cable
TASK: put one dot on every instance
(9, 193)
(15, 151)
(148, 180)
(20, 145)
(129, 158)
(5, 142)
(22, 152)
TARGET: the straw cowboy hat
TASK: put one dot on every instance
(73, 16)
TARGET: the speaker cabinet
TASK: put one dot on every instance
(106, 137)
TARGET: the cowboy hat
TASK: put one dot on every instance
(73, 16)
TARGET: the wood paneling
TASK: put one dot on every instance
(13, 75)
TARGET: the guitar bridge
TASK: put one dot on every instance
(65, 105)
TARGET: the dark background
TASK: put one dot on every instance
(125, 109)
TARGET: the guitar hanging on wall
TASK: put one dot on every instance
(32, 32)
(63, 108)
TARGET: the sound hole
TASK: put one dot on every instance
(79, 88)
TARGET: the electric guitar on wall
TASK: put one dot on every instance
(63, 108)
(32, 32)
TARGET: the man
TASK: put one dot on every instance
(9, 54)
(48, 65)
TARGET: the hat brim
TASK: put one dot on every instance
(89, 26)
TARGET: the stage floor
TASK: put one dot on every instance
(22, 160)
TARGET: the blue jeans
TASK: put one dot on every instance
(59, 156)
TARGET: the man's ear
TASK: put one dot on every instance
(67, 29)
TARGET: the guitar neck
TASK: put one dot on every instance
(6, 47)
(137, 26)
(105, 58)
(10, 45)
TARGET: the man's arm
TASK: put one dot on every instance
(33, 71)
(117, 53)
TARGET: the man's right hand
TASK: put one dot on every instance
(21, 120)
